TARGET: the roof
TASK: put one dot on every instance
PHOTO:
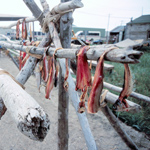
(8, 17)
(141, 19)
(117, 29)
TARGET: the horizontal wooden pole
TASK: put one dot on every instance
(10, 41)
(30, 19)
(30, 118)
(133, 94)
(116, 55)
(111, 98)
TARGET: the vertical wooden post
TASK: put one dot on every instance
(65, 37)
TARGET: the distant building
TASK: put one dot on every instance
(138, 28)
(89, 33)
(117, 34)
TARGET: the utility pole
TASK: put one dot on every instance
(107, 36)
(142, 11)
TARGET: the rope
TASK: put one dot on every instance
(56, 51)
(103, 103)
(33, 55)
(7, 73)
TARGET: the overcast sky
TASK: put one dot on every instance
(94, 13)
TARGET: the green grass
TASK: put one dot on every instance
(141, 79)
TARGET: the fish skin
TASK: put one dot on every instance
(66, 76)
(17, 30)
(83, 76)
(126, 91)
(50, 82)
(38, 75)
(97, 87)
(24, 30)
(83, 72)
(45, 68)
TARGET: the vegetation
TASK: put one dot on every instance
(141, 79)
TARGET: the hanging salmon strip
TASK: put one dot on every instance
(83, 76)
(50, 82)
(121, 102)
(97, 87)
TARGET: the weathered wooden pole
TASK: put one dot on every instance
(116, 55)
(133, 94)
(30, 118)
(116, 125)
(63, 106)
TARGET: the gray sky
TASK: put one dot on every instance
(94, 13)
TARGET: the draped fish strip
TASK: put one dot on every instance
(93, 101)
(121, 103)
(50, 82)
(83, 76)
(45, 68)
(17, 30)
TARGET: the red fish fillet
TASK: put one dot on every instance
(17, 30)
(97, 87)
(50, 82)
(126, 91)
(83, 72)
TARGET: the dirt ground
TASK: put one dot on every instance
(105, 136)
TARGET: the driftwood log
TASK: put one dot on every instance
(2, 108)
(30, 118)
(116, 55)
(31, 19)
(65, 6)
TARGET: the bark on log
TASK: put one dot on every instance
(115, 124)
(116, 55)
(133, 94)
(30, 118)
(65, 6)
(74, 95)
(2, 108)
